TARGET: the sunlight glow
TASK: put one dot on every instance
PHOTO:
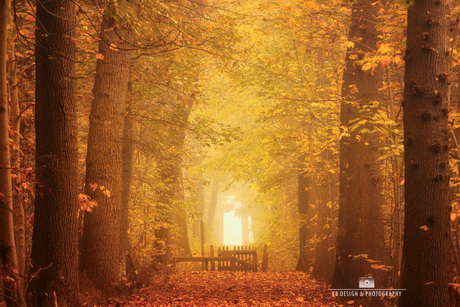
(232, 229)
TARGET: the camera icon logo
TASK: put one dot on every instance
(366, 282)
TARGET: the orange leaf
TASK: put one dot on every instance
(424, 227)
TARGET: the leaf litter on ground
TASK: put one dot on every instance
(224, 288)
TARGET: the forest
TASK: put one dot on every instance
(229, 152)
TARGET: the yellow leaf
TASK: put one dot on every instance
(366, 66)
(353, 89)
(99, 56)
(349, 44)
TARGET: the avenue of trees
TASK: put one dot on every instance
(329, 127)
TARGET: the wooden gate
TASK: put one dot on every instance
(245, 258)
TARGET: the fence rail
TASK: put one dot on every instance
(241, 258)
(245, 258)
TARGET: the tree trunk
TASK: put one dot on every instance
(426, 261)
(18, 208)
(126, 185)
(306, 255)
(325, 189)
(212, 207)
(170, 213)
(218, 229)
(198, 198)
(8, 255)
(360, 179)
(245, 229)
(180, 218)
(54, 242)
(100, 258)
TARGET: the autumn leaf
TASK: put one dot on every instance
(353, 89)
(93, 186)
(366, 66)
(424, 227)
(99, 56)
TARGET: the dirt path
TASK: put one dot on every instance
(235, 289)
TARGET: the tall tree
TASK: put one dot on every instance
(100, 259)
(8, 255)
(426, 259)
(172, 195)
(306, 231)
(360, 179)
(212, 208)
(325, 190)
(19, 214)
(54, 242)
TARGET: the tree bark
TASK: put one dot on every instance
(126, 185)
(360, 179)
(54, 242)
(100, 251)
(426, 261)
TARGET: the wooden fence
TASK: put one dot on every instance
(241, 258)
(245, 258)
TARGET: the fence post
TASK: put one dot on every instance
(255, 260)
(211, 254)
(202, 243)
(219, 263)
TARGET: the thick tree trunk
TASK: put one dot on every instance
(426, 261)
(54, 243)
(360, 178)
(100, 251)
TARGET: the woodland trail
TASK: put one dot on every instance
(235, 289)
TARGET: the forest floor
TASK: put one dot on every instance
(235, 289)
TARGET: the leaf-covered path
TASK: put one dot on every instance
(236, 289)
